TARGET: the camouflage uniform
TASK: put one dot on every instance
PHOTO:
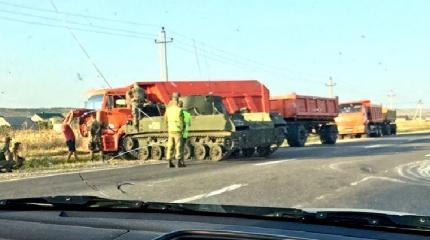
(5, 161)
(137, 95)
(18, 161)
(175, 124)
(95, 144)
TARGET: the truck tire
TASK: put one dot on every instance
(264, 151)
(328, 134)
(393, 129)
(386, 129)
(297, 135)
(248, 152)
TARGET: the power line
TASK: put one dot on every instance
(81, 46)
(78, 15)
(73, 28)
(76, 23)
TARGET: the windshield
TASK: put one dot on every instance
(350, 108)
(94, 102)
(220, 102)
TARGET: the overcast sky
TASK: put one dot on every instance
(368, 47)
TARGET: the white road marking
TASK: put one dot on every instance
(210, 194)
(428, 155)
(378, 178)
(374, 146)
(273, 162)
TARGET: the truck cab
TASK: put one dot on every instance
(114, 113)
(361, 117)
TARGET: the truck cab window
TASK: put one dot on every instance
(119, 101)
(94, 102)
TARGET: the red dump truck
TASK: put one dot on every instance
(358, 118)
(115, 111)
(305, 115)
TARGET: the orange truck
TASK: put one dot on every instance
(305, 115)
(115, 112)
(358, 118)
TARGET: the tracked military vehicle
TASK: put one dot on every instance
(214, 134)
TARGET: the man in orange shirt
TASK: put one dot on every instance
(69, 136)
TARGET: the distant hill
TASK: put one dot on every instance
(28, 112)
(411, 112)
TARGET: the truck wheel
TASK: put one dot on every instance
(144, 153)
(248, 152)
(297, 136)
(379, 133)
(215, 152)
(358, 135)
(156, 152)
(328, 134)
(200, 151)
(387, 129)
(393, 129)
(263, 151)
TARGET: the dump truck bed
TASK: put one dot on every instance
(250, 94)
(374, 114)
(295, 106)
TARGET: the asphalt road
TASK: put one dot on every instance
(390, 173)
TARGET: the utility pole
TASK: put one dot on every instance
(391, 96)
(163, 54)
(419, 110)
(330, 86)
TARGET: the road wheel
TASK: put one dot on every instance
(248, 152)
(297, 136)
(263, 151)
(200, 151)
(215, 153)
(328, 134)
(144, 153)
(187, 152)
(157, 152)
(128, 146)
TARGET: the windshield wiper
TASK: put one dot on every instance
(340, 218)
(60, 202)
(373, 219)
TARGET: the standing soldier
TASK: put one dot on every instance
(69, 136)
(5, 161)
(137, 97)
(187, 124)
(175, 123)
(95, 144)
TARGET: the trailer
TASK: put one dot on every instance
(305, 115)
(358, 118)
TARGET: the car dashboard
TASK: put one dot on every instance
(132, 225)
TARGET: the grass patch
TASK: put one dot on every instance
(404, 126)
